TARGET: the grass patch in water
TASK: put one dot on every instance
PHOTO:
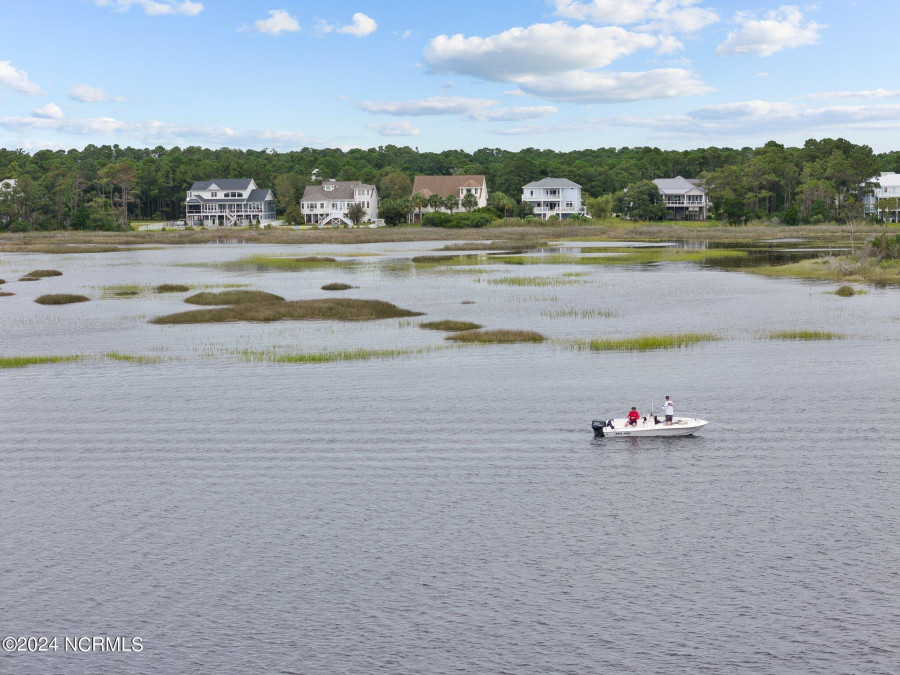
(624, 257)
(434, 260)
(495, 246)
(172, 288)
(540, 282)
(272, 356)
(22, 361)
(5, 295)
(61, 299)
(266, 262)
(644, 343)
(2, 281)
(337, 287)
(802, 335)
(846, 292)
(573, 313)
(43, 274)
(232, 298)
(450, 325)
(131, 358)
(835, 268)
(342, 309)
(29, 279)
(497, 336)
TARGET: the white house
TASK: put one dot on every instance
(7, 184)
(228, 202)
(686, 199)
(457, 186)
(554, 197)
(330, 202)
(888, 188)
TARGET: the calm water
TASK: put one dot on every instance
(450, 512)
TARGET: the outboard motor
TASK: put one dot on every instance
(599, 425)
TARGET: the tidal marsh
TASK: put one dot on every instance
(268, 262)
(497, 336)
(539, 282)
(172, 288)
(273, 356)
(22, 361)
(574, 313)
(61, 299)
(643, 343)
(339, 309)
(43, 274)
(450, 325)
(802, 335)
(232, 298)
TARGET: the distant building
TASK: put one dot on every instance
(228, 202)
(457, 186)
(685, 199)
(7, 184)
(554, 197)
(889, 189)
(329, 202)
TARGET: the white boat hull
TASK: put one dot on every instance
(681, 426)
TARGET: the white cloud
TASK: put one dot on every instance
(402, 128)
(322, 27)
(539, 49)
(593, 87)
(663, 15)
(513, 114)
(155, 7)
(362, 25)
(436, 105)
(88, 94)
(15, 79)
(50, 111)
(152, 132)
(782, 28)
(868, 93)
(279, 22)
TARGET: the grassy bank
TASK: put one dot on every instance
(232, 298)
(341, 309)
(22, 361)
(450, 326)
(835, 268)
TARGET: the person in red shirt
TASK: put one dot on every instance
(633, 417)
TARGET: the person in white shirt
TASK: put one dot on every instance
(670, 411)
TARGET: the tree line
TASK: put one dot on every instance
(105, 187)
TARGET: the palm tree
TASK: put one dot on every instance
(435, 201)
(469, 201)
(419, 201)
(451, 202)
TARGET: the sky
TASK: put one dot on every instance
(557, 74)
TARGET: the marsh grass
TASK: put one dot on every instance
(132, 358)
(22, 361)
(29, 279)
(337, 287)
(622, 257)
(497, 336)
(643, 343)
(835, 268)
(171, 288)
(573, 313)
(503, 245)
(5, 295)
(846, 292)
(2, 281)
(801, 335)
(232, 298)
(43, 274)
(467, 302)
(338, 309)
(59, 249)
(450, 325)
(61, 299)
(266, 263)
(438, 260)
(539, 282)
(272, 356)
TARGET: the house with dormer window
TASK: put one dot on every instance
(228, 202)
(456, 186)
(329, 202)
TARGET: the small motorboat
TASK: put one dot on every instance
(650, 425)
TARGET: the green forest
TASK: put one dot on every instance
(106, 187)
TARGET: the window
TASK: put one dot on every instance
(213, 194)
(568, 205)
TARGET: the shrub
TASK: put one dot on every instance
(845, 291)
(475, 219)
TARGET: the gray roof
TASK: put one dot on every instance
(257, 195)
(676, 185)
(343, 189)
(223, 183)
(552, 183)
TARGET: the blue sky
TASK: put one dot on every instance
(561, 74)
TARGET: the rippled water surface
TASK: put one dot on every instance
(449, 511)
